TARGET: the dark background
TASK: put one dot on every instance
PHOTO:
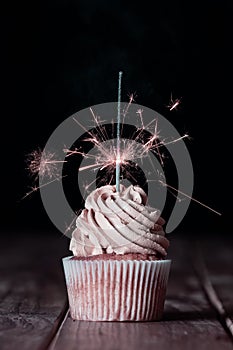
(63, 56)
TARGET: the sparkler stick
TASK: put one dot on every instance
(118, 156)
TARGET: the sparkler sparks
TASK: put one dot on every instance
(131, 100)
(114, 155)
(36, 188)
(173, 104)
(42, 164)
(139, 112)
(193, 199)
(130, 151)
(109, 155)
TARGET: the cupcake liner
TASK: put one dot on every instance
(110, 290)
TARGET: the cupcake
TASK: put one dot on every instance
(118, 271)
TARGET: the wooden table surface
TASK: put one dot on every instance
(34, 312)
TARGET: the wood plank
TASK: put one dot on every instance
(216, 277)
(32, 292)
(198, 334)
(188, 322)
(185, 298)
(218, 253)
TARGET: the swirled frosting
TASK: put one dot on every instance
(119, 223)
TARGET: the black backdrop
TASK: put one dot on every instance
(63, 56)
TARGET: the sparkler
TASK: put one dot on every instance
(118, 157)
(110, 157)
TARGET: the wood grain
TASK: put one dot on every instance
(185, 298)
(198, 334)
(32, 291)
(218, 254)
(216, 278)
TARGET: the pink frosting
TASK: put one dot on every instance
(119, 223)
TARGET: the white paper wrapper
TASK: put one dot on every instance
(110, 290)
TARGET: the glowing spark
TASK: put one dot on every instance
(126, 109)
(87, 186)
(96, 118)
(131, 99)
(186, 195)
(98, 122)
(139, 112)
(156, 143)
(71, 226)
(36, 188)
(45, 165)
(71, 152)
(96, 165)
(92, 138)
(42, 164)
(85, 129)
(134, 149)
(165, 143)
(173, 104)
